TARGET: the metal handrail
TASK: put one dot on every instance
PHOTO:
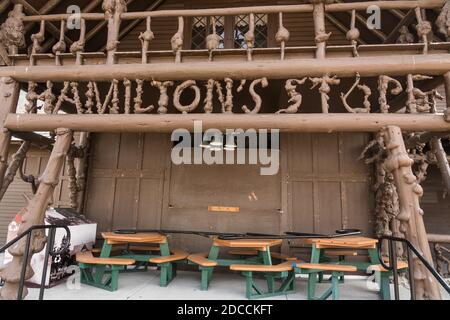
(393, 264)
(49, 252)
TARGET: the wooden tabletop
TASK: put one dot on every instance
(115, 238)
(344, 242)
(259, 244)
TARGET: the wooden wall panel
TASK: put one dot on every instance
(125, 180)
(328, 188)
(100, 201)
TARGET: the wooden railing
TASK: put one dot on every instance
(321, 11)
(78, 84)
(441, 247)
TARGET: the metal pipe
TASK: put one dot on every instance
(24, 266)
(50, 243)
(411, 273)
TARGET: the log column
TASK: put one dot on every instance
(113, 11)
(442, 162)
(34, 215)
(411, 215)
(319, 26)
(9, 96)
(447, 95)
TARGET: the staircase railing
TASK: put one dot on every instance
(392, 266)
(48, 252)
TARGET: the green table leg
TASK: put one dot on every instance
(208, 272)
(100, 270)
(312, 278)
(335, 285)
(166, 272)
(267, 260)
(385, 290)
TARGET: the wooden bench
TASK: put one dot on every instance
(284, 271)
(337, 271)
(384, 276)
(341, 253)
(93, 270)
(205, 266)
(167, 264)
(275, 255)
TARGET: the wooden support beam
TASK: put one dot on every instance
(335, 7)
(339, 122)
(447, 95)
(381, 35)
(9, 96)
(442, 162)
(134, 23)
(49, 6)
(30, 10)
(99, 26)
(410, 215)
(91, 6)
(439, 238)
(36, 140)
(14, 166)
(406, 20)
(319, 28)
(341, 26)
(4, 4)
(34, 215)
(395, 65)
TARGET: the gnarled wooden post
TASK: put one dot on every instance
(34, 215)
(411, 215)
(442, 162)
(9, 95)
(447, 95)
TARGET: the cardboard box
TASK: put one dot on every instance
(83, 233)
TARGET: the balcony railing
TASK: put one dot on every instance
(110, 85)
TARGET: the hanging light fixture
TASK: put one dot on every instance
(230, 144)
(217, 142)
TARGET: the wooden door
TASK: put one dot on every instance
(328, 188)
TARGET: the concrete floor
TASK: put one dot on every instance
(225, 286)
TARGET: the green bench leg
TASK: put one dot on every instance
(252, 291)
(332, 292)
(93, 275)
(385, 288)
(206, 275)
(335, 285)
(167, 273)
(312, 281)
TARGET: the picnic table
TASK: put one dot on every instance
(322, 248)
(140, 248)
(249, 251)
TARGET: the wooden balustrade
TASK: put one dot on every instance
(318, 8)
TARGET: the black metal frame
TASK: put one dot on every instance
(393, 264)
(235, 236)
(48, 252)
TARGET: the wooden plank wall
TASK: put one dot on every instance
(132, 183)
(125, 181)
(328, 188)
